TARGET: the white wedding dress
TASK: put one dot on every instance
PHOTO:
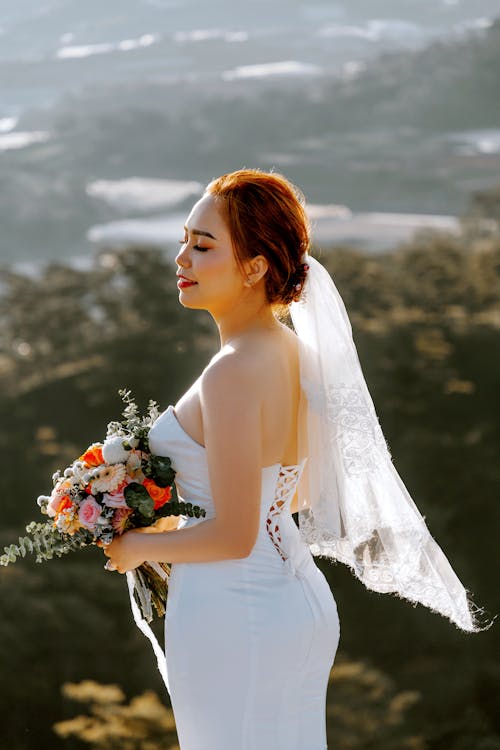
(250, 642)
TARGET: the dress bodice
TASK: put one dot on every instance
(168, 438)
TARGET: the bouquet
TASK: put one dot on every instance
(112, 487)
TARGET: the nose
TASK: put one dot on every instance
(183, 257)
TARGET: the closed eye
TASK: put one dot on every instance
(195, 247)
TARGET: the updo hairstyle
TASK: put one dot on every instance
(266, 216)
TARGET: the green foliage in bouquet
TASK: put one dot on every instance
(45, 543)
(161, 470)
(140, 500)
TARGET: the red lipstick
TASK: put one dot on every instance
(184, 282)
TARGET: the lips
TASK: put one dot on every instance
(184, 282)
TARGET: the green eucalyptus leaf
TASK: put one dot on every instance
(138, 498)
(161, 471)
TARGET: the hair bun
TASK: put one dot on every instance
(293, 289)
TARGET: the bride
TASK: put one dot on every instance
(280, 421)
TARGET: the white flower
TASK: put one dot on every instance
(107, 478)
(79, 471)
(113, 451)
(134, 465)
(43, 503)
(134, 461)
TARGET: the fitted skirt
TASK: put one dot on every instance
(250, 644)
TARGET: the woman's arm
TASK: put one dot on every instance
(231, 412)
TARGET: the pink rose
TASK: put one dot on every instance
(89, 512)
(54, 503)
(116, 499)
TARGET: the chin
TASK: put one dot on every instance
(188, 303)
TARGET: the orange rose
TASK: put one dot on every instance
(159, 495)
(65, 503)
(58, 495)
(92, 456)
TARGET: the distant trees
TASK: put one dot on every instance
(122, 312)
(436, 276)
(482, 217)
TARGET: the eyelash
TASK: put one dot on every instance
(195, 247)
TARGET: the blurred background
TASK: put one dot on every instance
(112, 118)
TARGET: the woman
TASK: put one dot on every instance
(276, 423)
(250, 640)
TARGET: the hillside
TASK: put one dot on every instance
(384, 139)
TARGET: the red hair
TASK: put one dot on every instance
(266, 216)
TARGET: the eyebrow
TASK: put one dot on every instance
(200, 232)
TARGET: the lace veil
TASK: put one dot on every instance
(353, 505)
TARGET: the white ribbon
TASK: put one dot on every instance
(161, 656)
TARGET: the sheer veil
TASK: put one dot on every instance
(353, 505)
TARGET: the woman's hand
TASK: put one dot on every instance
(125, 552)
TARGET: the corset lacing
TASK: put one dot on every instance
(285, 488)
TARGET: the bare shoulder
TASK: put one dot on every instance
(233, 372)
(249, 395)
(248, 365)
(231, 405)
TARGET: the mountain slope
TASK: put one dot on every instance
(378, 141)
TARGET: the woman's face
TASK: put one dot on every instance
(209, 275)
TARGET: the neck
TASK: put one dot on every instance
(244, 320)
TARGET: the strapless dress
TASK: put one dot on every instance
(250, 642)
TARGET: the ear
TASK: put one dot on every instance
(255, 269)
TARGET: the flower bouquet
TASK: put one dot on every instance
(112, 487)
